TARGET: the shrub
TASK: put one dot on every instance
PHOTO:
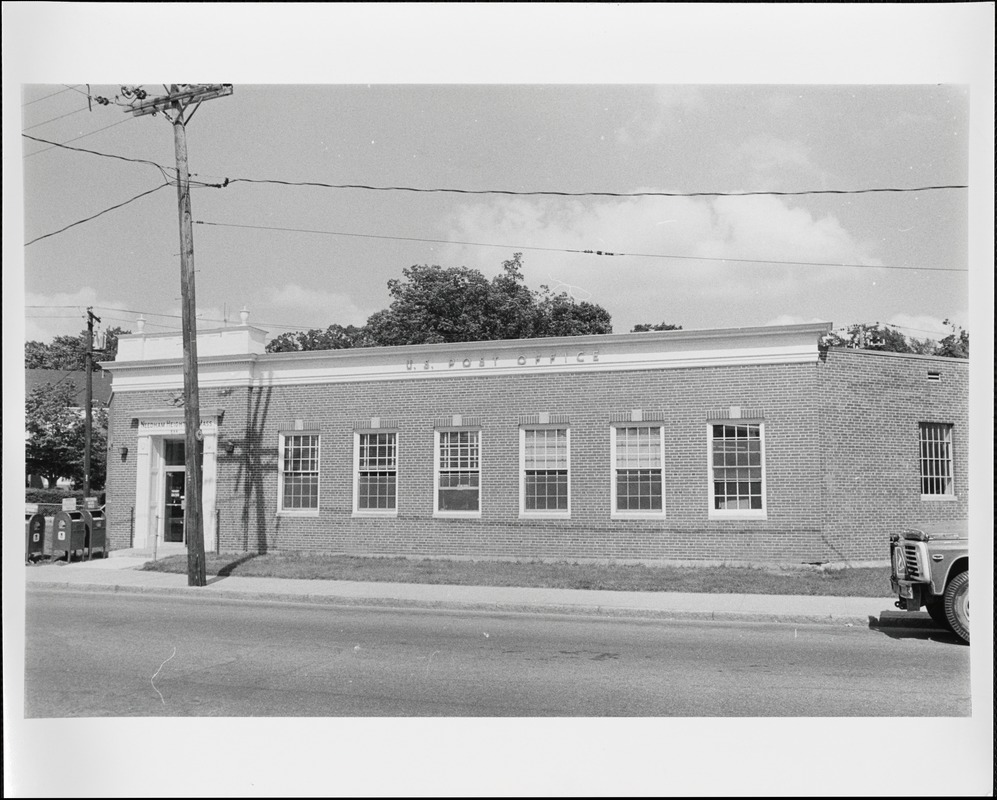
(56, 496)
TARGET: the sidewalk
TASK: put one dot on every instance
(122, 573)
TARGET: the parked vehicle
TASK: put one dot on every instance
(931, 570)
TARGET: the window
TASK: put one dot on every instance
(376, 485)
(637, 471)
(936, 460)
(544, 474)
(737, 485)
(298, 472)
(458, 472)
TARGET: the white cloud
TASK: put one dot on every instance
(793, 319)
(669, 103)
(771, 156)
(293, 304)
(693, 286)
(65, 313)
(272, 308)
(921, 326)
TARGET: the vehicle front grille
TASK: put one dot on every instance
(913, 565)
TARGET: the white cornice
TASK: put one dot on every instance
(654, 350)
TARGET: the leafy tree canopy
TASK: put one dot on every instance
(69, 352)
(433, 304)
(885, 338)
(661, 326)
(56, 436)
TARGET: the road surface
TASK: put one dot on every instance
(105, 655)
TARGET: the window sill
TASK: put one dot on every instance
(739, 515)
(939, 498)
(456, 515)
(375, 514)
(545, 515)
(296, 513)
(659, 515)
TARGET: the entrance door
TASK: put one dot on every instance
(176, 481)
(173, 530)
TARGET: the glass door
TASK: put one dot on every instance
(176, 480)
(173, 531)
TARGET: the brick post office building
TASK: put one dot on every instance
(740, 445)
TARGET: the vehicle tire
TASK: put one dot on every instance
(936, 609)
(957, 605)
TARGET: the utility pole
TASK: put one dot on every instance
(178, 106)
(88, 416)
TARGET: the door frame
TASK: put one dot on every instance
(154, 427)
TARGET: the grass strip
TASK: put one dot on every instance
(848, 582)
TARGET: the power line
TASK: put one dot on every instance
(583, 252)
(229, 181)
(99, 213)
(300, 327)
(588, 194)
(164, 170)
(295, 327)
(75, 138)
(46, 122)
(46, 97)
(158, 166)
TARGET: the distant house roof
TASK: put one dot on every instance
(101, 382)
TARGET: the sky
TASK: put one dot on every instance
(582, 98)
(300, 257)
(306, 257)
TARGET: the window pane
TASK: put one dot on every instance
(377, 479)
(545, 462)
(936, 458)
(300, 472)
(459, 450)
(638, 448)
(173, 452)
(546, 449)
(376, 491)
(300, 491)
(459, 476)
(458, 499)
(638, 490)
(737, 467)
(546, 491)
(638, 468)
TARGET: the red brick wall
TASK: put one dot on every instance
(871, 404)
(247, 480)
(840, 443)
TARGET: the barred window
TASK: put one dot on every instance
(736, 457)
(544, 486)
(298, 472)
(936, 459)
(459, 472)
(637, 470)
(376, 471)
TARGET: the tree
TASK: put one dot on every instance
(561, 315)
(56, 434)
(69, 352)
(661, 326)
(956, 344)
(870, 337)
(885, 338)
(432, 304)
(335, 337)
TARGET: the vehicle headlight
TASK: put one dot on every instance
(899, 564)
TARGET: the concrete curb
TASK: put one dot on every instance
(886, 620)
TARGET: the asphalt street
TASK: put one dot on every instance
(95, 654)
